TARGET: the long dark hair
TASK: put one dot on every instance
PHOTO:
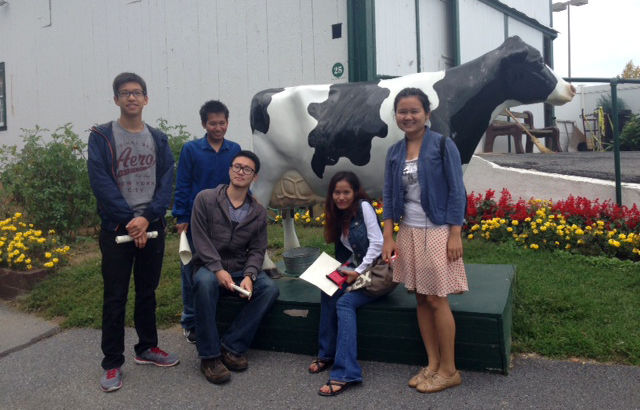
(336, 220)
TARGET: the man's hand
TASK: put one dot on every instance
(182, 227)
(225, 280)
(246, 284)
(141, 242)
(137, 227)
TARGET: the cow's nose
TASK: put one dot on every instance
(573, 90)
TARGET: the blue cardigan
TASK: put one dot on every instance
(442, 192)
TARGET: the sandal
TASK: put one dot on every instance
(321, 365)
(335, 383)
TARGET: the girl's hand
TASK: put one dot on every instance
(454, 244)
(351, 275)
(389, 249)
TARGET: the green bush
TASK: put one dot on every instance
(49, 180)
(177, 136)
(630, 136)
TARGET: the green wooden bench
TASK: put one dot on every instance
(388, 329)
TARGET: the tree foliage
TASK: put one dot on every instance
(631, 70)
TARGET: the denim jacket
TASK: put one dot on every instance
(442, 193)
(112, 207)
(357, 239)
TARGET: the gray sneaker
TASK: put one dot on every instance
(158, 357)
(111, 380)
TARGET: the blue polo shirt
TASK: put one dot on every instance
(200, 167)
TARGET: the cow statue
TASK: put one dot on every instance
(315, 131)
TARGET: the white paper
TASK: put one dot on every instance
(184, 250)
(126, 238)
(316, 274)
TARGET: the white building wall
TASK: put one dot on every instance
(396, 48)
(395, 37)
(187, 51)
(435, 38)
(536, 9)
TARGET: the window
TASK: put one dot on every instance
(3, 100)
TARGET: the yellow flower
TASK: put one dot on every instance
(543, 228)
(307, 220)
(527, 219)
(470, 236)
(55, 260)
(317, 219)
(52, 231)
(534, 246)
(514, 222)
(28, 266)
(502, 221)
(579, 231)
(509, 229)
(396, 228)
(17, 215)
(47, 255)
(580, 242)
(568, 246)
(48, 265)
(374, 203)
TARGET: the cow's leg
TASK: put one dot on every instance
(290, 237)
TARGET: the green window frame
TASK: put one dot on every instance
(3, 99)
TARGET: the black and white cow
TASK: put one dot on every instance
(319, 130)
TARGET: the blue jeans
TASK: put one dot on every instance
(237, 339)
(338, 333)
(188, 318)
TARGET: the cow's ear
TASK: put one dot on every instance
(517, 56)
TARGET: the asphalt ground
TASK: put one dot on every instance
(599, 165)
(63, 372)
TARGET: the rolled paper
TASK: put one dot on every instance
(184, 250)
(241, 290)
(126, 238)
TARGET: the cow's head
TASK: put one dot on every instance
(527, 77)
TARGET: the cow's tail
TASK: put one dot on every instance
(259, 115)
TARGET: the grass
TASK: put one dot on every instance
(565, 306)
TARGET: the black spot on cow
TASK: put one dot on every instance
(259, 116)
(347, 122)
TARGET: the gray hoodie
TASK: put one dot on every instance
(218, 245)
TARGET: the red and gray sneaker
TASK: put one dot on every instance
(111, 380)
(158, 357)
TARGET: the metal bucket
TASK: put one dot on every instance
(297, 260)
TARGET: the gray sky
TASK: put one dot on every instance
(605, 35)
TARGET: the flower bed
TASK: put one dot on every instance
(576, 224)
(22, 247)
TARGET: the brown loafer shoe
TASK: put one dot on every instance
(438, 382)
(215, 371)
(234, 362)
(423, 375)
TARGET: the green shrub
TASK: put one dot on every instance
(49, 180)
(630, 136)
(177, 136)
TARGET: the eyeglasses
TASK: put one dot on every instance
(245, 170)
(127, 94)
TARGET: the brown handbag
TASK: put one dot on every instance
(377, 280)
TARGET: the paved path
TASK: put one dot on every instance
(62, 371)
(598, 165)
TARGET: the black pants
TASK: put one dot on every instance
(117, 261)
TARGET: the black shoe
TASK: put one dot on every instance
(234, 362)
(215, 371)
(190, 334)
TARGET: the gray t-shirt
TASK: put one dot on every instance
(414, 215)
(135, 166)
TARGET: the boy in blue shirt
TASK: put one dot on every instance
(204, 164)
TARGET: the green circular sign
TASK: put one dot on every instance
(337, 70)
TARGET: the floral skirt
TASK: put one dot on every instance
(422, 263)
